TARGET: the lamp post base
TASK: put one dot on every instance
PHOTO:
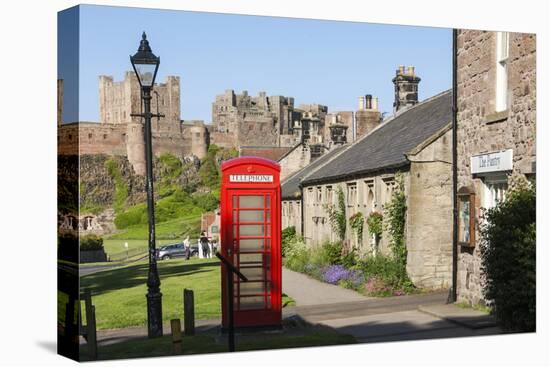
(154, 314)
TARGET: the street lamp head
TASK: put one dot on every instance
(145, 63)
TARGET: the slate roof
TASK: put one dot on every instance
(290, 188)
(385, 147)
(273, 153)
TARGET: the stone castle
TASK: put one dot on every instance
(272, 123)
(119, 133)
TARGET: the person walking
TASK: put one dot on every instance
(187, 246)
(204, 245)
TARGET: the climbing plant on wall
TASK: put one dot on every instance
(337, 215)
(395, 215)
(357, 222)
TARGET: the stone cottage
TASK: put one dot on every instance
(416, 143)
(496, 128)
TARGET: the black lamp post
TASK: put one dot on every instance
(145, 65)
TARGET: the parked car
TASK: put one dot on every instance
(175, 250)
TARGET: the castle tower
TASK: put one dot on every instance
(199, 140)
(135, 147)
(406, 88)
(367, 117)
(119, 100)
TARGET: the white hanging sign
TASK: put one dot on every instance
(492, 162)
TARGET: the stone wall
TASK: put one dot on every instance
(295, 160)
(291, 215)
(372, 192)
(483, 130)
(430, 214)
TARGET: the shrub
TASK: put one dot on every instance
(331, 253)
(287, 236)
(91, 243)
(396, 211)
(297, 255)
(387, 270)
(508, 250)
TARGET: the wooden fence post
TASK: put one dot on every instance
(188, 312)
(90, 324)
(175, 326)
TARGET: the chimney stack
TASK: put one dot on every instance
(406, 88)
(368, 118)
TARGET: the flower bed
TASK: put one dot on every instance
(378, 276)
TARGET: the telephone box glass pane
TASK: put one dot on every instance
(251, 201)
(251, 215)
(252, 273)
(251, 230)
(252, 303)
(268, 216)
(251, 245)
(268, 201)
(249, 288)
(252, 259)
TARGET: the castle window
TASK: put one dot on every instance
(502, 45)
(70, 137)
(89, 136)
(104, 136)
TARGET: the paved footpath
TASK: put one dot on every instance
(368, 319)
(308, 291)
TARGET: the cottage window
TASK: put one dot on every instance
(319, 194)
(369, 195)
(389, 185)
(310, 195)
(352, 194)
(495, 189)
(466, 217)
(502, 47)
(329, 195)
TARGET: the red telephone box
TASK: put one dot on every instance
(251, 240)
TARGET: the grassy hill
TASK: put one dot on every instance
(184, 189)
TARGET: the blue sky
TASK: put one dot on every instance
(314, 61)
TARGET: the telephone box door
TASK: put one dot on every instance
(251, 222)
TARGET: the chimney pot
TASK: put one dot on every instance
(411, 70)
(368, 102)
(361, 103)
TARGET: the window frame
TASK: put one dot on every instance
(501, 77)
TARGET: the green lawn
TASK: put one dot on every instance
(209, 343)
(119, 294)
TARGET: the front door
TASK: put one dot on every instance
(250, 250)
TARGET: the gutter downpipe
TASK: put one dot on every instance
(302, 211)
(453, 295)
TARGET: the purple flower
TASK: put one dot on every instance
(334, 274)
